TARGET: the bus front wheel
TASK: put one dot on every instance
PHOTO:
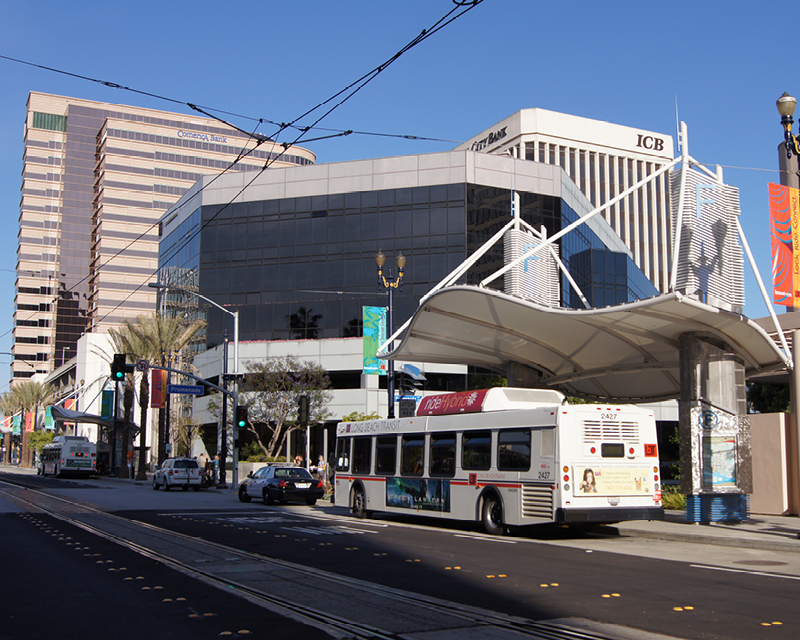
(360, 504)
(493, 516)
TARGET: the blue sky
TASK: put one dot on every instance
(621, 61)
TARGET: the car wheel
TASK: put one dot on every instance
(268, 499)
(243, 497)
(492, 516)
(360, 504)
(166, 485)
(155, 484)
(311, 502)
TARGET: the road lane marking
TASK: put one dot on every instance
(751, 573)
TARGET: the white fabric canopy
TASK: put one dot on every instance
(627, 352)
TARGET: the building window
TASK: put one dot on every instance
(49, 121)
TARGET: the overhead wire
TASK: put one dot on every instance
(260, 138)
(353, 88)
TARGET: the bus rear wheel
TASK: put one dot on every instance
(360, 504)
(492, 516)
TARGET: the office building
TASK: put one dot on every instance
(96, 179)
(603, 160)
(294, 252)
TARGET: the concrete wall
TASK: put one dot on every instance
(774, 451)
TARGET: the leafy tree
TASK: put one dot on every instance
(360, 416)
(151, 337)
(270, 390)
(481, 381)
(37, 439)
(765, 397)
(28, 396)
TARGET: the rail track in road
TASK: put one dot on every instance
(360, 610)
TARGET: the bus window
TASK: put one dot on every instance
(343, 454)
(514, 450)
(413, 457)
(549, 443)
(443, 455)
(362, 455)
(386, 455)
(476, 450)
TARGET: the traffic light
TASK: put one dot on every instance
(241, 416)
(302, 409)
(118, 367)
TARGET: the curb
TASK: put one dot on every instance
(719, 541)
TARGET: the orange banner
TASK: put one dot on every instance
(29, 421)
(784, 206)
(158, 389)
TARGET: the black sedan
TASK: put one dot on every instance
(281, 483)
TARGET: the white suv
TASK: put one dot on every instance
(177, 472)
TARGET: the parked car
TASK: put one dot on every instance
(177, 472)
(282, 483)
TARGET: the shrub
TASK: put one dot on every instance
(673, 499)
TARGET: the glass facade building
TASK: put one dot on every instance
(302, 266)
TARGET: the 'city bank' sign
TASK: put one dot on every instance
(201, 136)
(490, 139)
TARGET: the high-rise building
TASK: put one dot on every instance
(96, 179)
(603, 160)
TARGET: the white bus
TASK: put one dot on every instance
(506, 457)
(69, 454)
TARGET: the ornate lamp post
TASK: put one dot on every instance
(790, 176)
(390, 284)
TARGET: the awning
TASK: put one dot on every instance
(60, 414)
(627, 352)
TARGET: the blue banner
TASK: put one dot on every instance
(374, 337)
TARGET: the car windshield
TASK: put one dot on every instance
(185, 464)
(292, 473)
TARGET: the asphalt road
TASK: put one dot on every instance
(531, 576)
(541, 574)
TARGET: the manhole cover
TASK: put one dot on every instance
(761, 563)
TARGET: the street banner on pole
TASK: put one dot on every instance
(374, 337)
(158, 389)
(784, 213)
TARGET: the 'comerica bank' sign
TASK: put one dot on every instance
(201, 136)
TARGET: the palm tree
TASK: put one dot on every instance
(151, 337)
(8, 407)
(28, 396)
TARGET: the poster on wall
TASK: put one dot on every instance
(719, 461)
(784, 215)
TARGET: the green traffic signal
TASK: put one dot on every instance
(241, 417)
(118, 366)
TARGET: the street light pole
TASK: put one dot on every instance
(791, 177)
(390, 285)
(235, 314)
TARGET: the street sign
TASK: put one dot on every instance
(142, 366)
(186, 389)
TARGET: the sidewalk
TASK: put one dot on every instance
(769, 533)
